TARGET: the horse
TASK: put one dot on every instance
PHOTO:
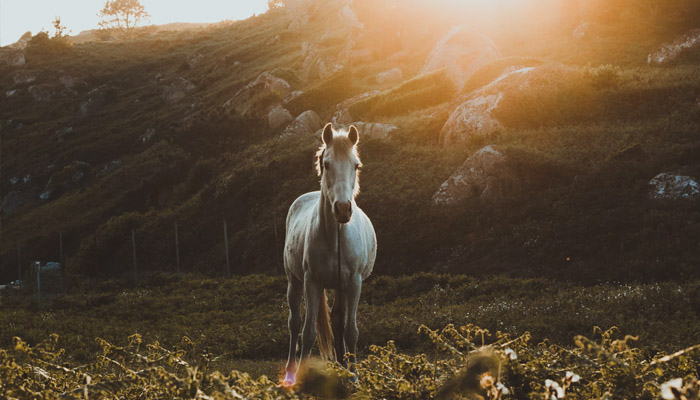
(330, 243)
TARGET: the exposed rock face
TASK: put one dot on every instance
(393, 75)
(278, 116)
(177, 90)
(14, 58)
(42, 92)
(462, 52)
(15, 200)
(265, 84)
(669, 52)
(24, 77)
(23, 41)
(342, 112)
(474, 114)
(317, 66)
(68, 178)
(95, 100)
(668, 186)
(306, 122)
(485, 175)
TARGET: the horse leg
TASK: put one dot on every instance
(295, 289)
(352, 299)
(312, 291)
(338, 321)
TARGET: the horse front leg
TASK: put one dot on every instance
(295, 290)
(338, 323)
(352, 299)
(312, 291)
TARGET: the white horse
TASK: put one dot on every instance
(330, 244)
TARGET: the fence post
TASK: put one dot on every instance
(37, 265)
(228, 266)
(277, 252)
(177, 251)
(133, 247)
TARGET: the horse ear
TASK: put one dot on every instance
(353, 135)
(328, 134)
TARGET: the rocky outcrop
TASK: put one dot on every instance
(581, 31)
(147, 136)
(299, 11)
(669, 186)
(375, 130)
(68, 178)
(306, 122)
(485, 175)
(109, 168)
(349, 19)
(17, 199)
(43, 92)
(194, 60)
(95, 100)
(316, 65)
(177, 90)
(24, 77)
(13, 58)
(278, 116)
(265, 85)
(391, 76)
(23, 41)
(10, 93)
(461, 52)
(670, 52)
(342, 110)
(474, 113)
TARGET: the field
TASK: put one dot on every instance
(560, 270)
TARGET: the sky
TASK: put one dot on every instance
(19, 16)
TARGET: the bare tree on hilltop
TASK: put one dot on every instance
(123, 15)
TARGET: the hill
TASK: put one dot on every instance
(102, 138)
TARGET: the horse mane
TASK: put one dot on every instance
(341, 145)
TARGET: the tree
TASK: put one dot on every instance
(122, 14)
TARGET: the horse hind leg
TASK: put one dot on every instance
(313, 294)
(295, 289)
(352, 299)
(338, 322)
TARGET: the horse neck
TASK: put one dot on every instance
(326, 219)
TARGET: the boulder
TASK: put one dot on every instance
(108, 168)
(349, 19)
(194, 60)
(316, 65)
(68, 178)
(24, 77)
(299, 11)
(42, 92)
(670, 52)
(177, 90)
(581, 31)
(291, 96)
(23, 41)
(391, 76)
(265, 85)
(342, 110)
(462, 52)
(669, 186)
(147, 136)
(485, 175)
(15, 200)
(306, 122)
(62, 133)
(276, 85)
(10, 93)
(95, 100)
(474, 113)
(278, 116)
(375, 130)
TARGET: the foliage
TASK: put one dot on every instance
(122, 14)
(467, 361)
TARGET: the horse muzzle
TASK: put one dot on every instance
(342, 212)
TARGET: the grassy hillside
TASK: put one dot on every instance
(585, 151)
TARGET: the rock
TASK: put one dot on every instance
(62, 133)
(461, 52)
(11, 93)
(14, 58)
(68, 178)
(177, 90)
(291, 96)
(306, 122)
(274, 40)
(194, 60)
(316, 66)
(14, 180)
(148, 136)
(375, 130)
(16, 199)
(342, 110)
(27, 178)
(669, 52)
(24, 77)
(485, 175)
(668, 186)
(95, 100)
(299, 11)
(108, 168)
(23, 41)
(581, 31)
(474, 114)
(43, 92)
(278, 116)
(265, 85)
(391, 76)
(349, 19)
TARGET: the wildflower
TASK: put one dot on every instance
(510, 353)
(572, 377)
(672, 389)
(554, 391)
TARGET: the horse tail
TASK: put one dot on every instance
(323, 327)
